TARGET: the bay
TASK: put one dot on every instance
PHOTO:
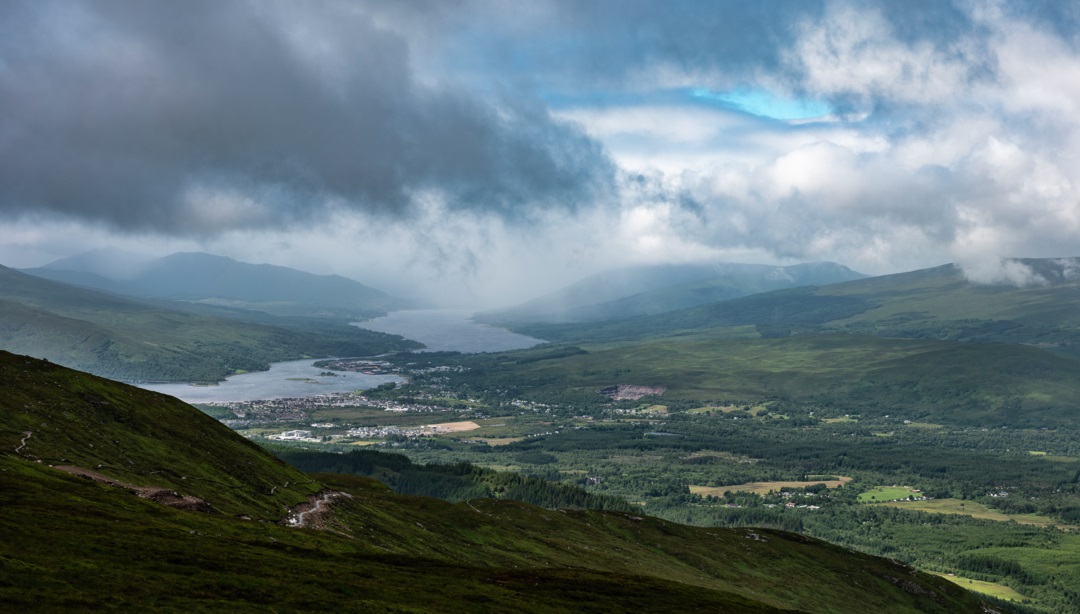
(449, 330)
(285, 380)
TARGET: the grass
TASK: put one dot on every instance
(496, 441)
(406, 551)
(886, 493)
(764, 488)
(924, 425)
(1053, 457)
(139, 437)
(993, 589)
(976, 510)
(754, 410)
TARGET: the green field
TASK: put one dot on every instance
(1054, 457)
(886, 493)
(752, 410)
(998, 591)
(764, 488)
(975, 510)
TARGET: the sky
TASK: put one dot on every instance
(482, 152)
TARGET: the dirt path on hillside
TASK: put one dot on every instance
(22, 444)
(157, 494)
(313, 513)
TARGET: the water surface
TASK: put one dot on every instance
(449, 330)
(284, 380)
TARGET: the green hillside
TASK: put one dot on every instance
(979, 384)
(938, 303)
(63, 417)
(656, 289)
(124, 338)
(70, 543)
(223, 281)
(456, 482)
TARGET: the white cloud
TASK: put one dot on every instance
(1001, 272)
(854, 51)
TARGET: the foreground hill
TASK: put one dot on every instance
(206, 278)
(63, 417)
(658, 288)
(68, 542)
(937, 303)
(124, 338)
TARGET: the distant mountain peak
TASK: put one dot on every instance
(199, 277)
(109, 262)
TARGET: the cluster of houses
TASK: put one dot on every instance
(366, 367)
(296, 435)
(379, 432)
(248, 413)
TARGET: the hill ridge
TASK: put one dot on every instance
(653, 289)
(203, 277)
(128, 338)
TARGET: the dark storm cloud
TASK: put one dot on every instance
(200, 116)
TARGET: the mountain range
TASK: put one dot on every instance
(127, 338)
(656, 289)
(217, 280)
(936, 303)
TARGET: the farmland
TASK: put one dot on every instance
(887, 493)
(764, 488)
(976, 509)
(993, 589)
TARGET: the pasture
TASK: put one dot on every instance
(495, 441)
(454, 427)
(992, 589)
(764, 488)
(976, 510)
(887, 493)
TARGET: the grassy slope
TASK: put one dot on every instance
(656, 289)
(66, 542)
(451, 482)
(123, 338)
(138, 437)
(936, 303)
(948, 381)
(83, 545)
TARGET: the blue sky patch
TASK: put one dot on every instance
(765, 104)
